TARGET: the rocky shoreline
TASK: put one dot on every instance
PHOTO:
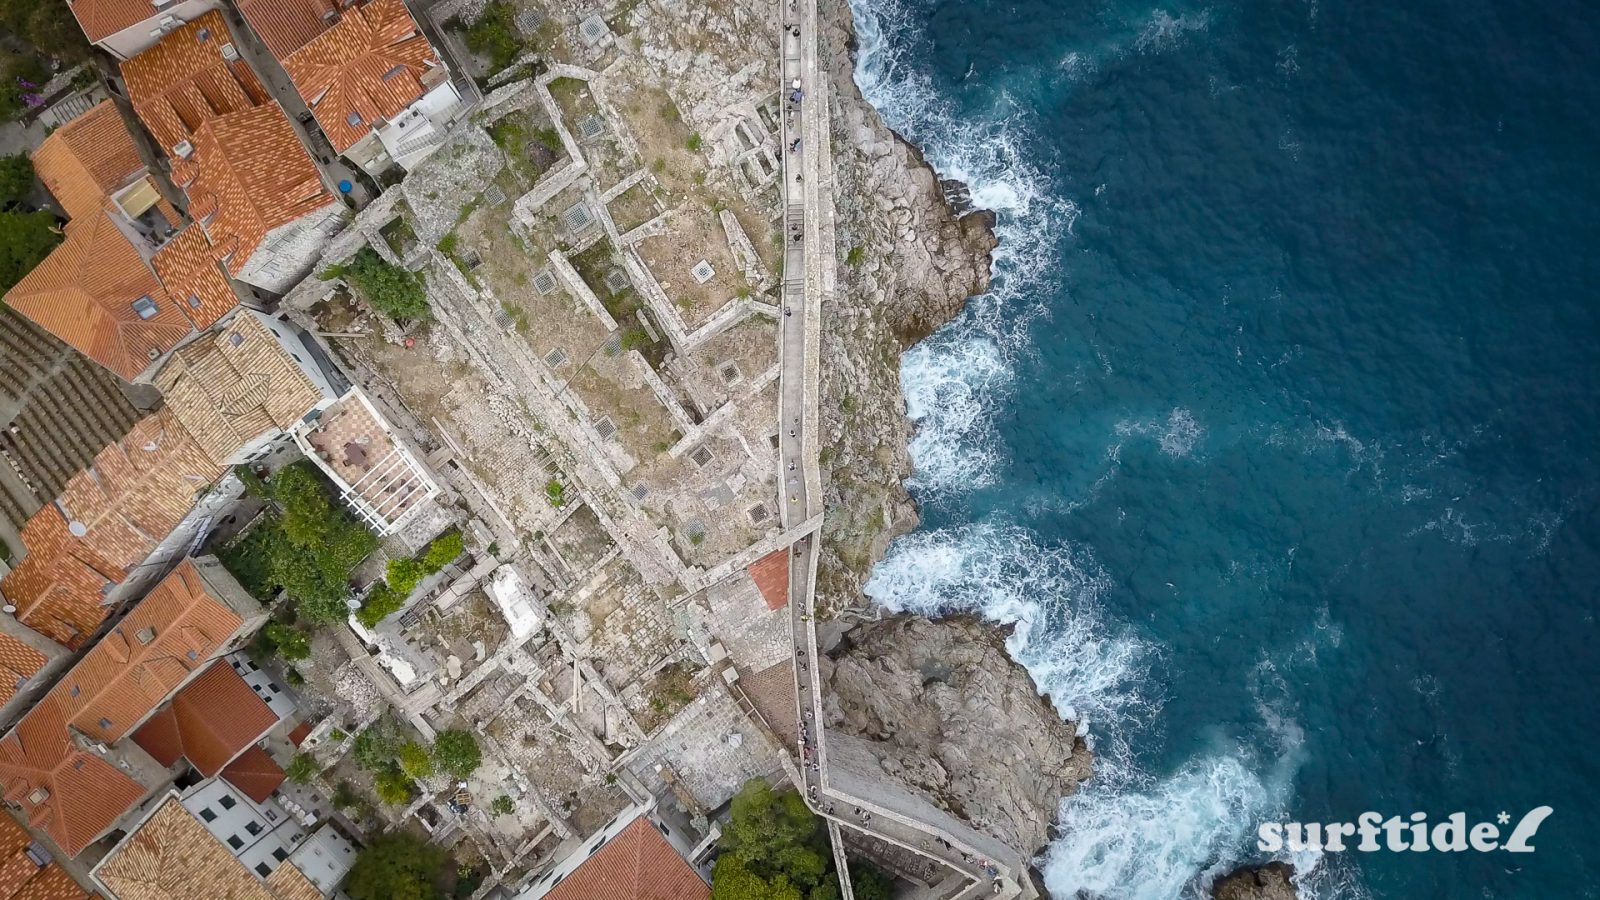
(947, 710)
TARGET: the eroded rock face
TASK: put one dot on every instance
(1272, 881)
(952, 716)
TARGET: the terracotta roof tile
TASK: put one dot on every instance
(171, 856)
(255, 774)
(131, 497)
(18, 663)
(184, 81)
(235, 384)
(85, 293)
(287, 25)
(212, 720)
(637, 864)
(300, 733)
(172, 632)
(189, 271)
(101, 19)
(287, 882)
(70, 794)
(771, 573)
(21, 878)
(88, 159)
(248, 175)
(75, 795)
(363, 71)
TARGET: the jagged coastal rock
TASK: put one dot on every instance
(953, 717)
(1273, 881)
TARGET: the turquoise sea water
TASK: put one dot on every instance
(1276, 436)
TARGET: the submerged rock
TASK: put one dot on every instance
(1273, 881)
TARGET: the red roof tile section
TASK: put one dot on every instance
(211, 721)
(254, 773)
(18, 663)
(86, 160)
(193, 278)
(300, 733)
(363, 71)
(94, 290)
(771, 573)
(21, 878)
(287, 25)
(63, 787)
(637, 864)
(132, 496)
(184, 81)
(101, 19)
(248, 175)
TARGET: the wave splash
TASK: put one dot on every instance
(973, 360)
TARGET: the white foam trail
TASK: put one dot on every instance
(1092, 670)
(954, 440)
(1177, 435)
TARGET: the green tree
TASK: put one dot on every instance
(456, 753)
(381, 601)
(375, 748)
(732, 879)
(26, 238)
(392, 786)
(775, 834)
(391, 289)
(288, 642)
(302, 768)
(869, 883)
(443, 551)
(415, 761)
(305, 545)
(16, 178)
(396, 866)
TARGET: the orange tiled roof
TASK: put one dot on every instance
(184, 81)
(69, 793)
(248, 175)
(771, 574)
(21, 878)
(212, 720)
(233, 385)
(255, 773)
(88, 159)
(134, 493)
(364, 70)
(637, 864)
(169, 634)
(189, 271)
(171, 856)
(287, 25)
(101, 19)
(84, 293)
(18, 663)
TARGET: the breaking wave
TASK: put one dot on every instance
(972, 360)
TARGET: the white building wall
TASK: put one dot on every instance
(325, 858)
(277, 697)
(259, 835)
(135, 39)
(288, 252)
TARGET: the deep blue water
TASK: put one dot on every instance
(1276, 436)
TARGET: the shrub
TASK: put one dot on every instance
(694, 141)
(376, 747)
(389, 288)
(25, 240)
(16, 178)
(403, 575)
(494, 34)
(302, 768)
(307, 546)
(344, 796)
(856, 256)
(381, 602)
(287, 641)
(396, 866)
(392, 786)
(443, 551)
(456, 753)
(502, 805)
(555, 492)
(415, 761)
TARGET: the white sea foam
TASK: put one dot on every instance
(955, 440)
(1163, 30)
(1090, 668)
(1177, 435)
